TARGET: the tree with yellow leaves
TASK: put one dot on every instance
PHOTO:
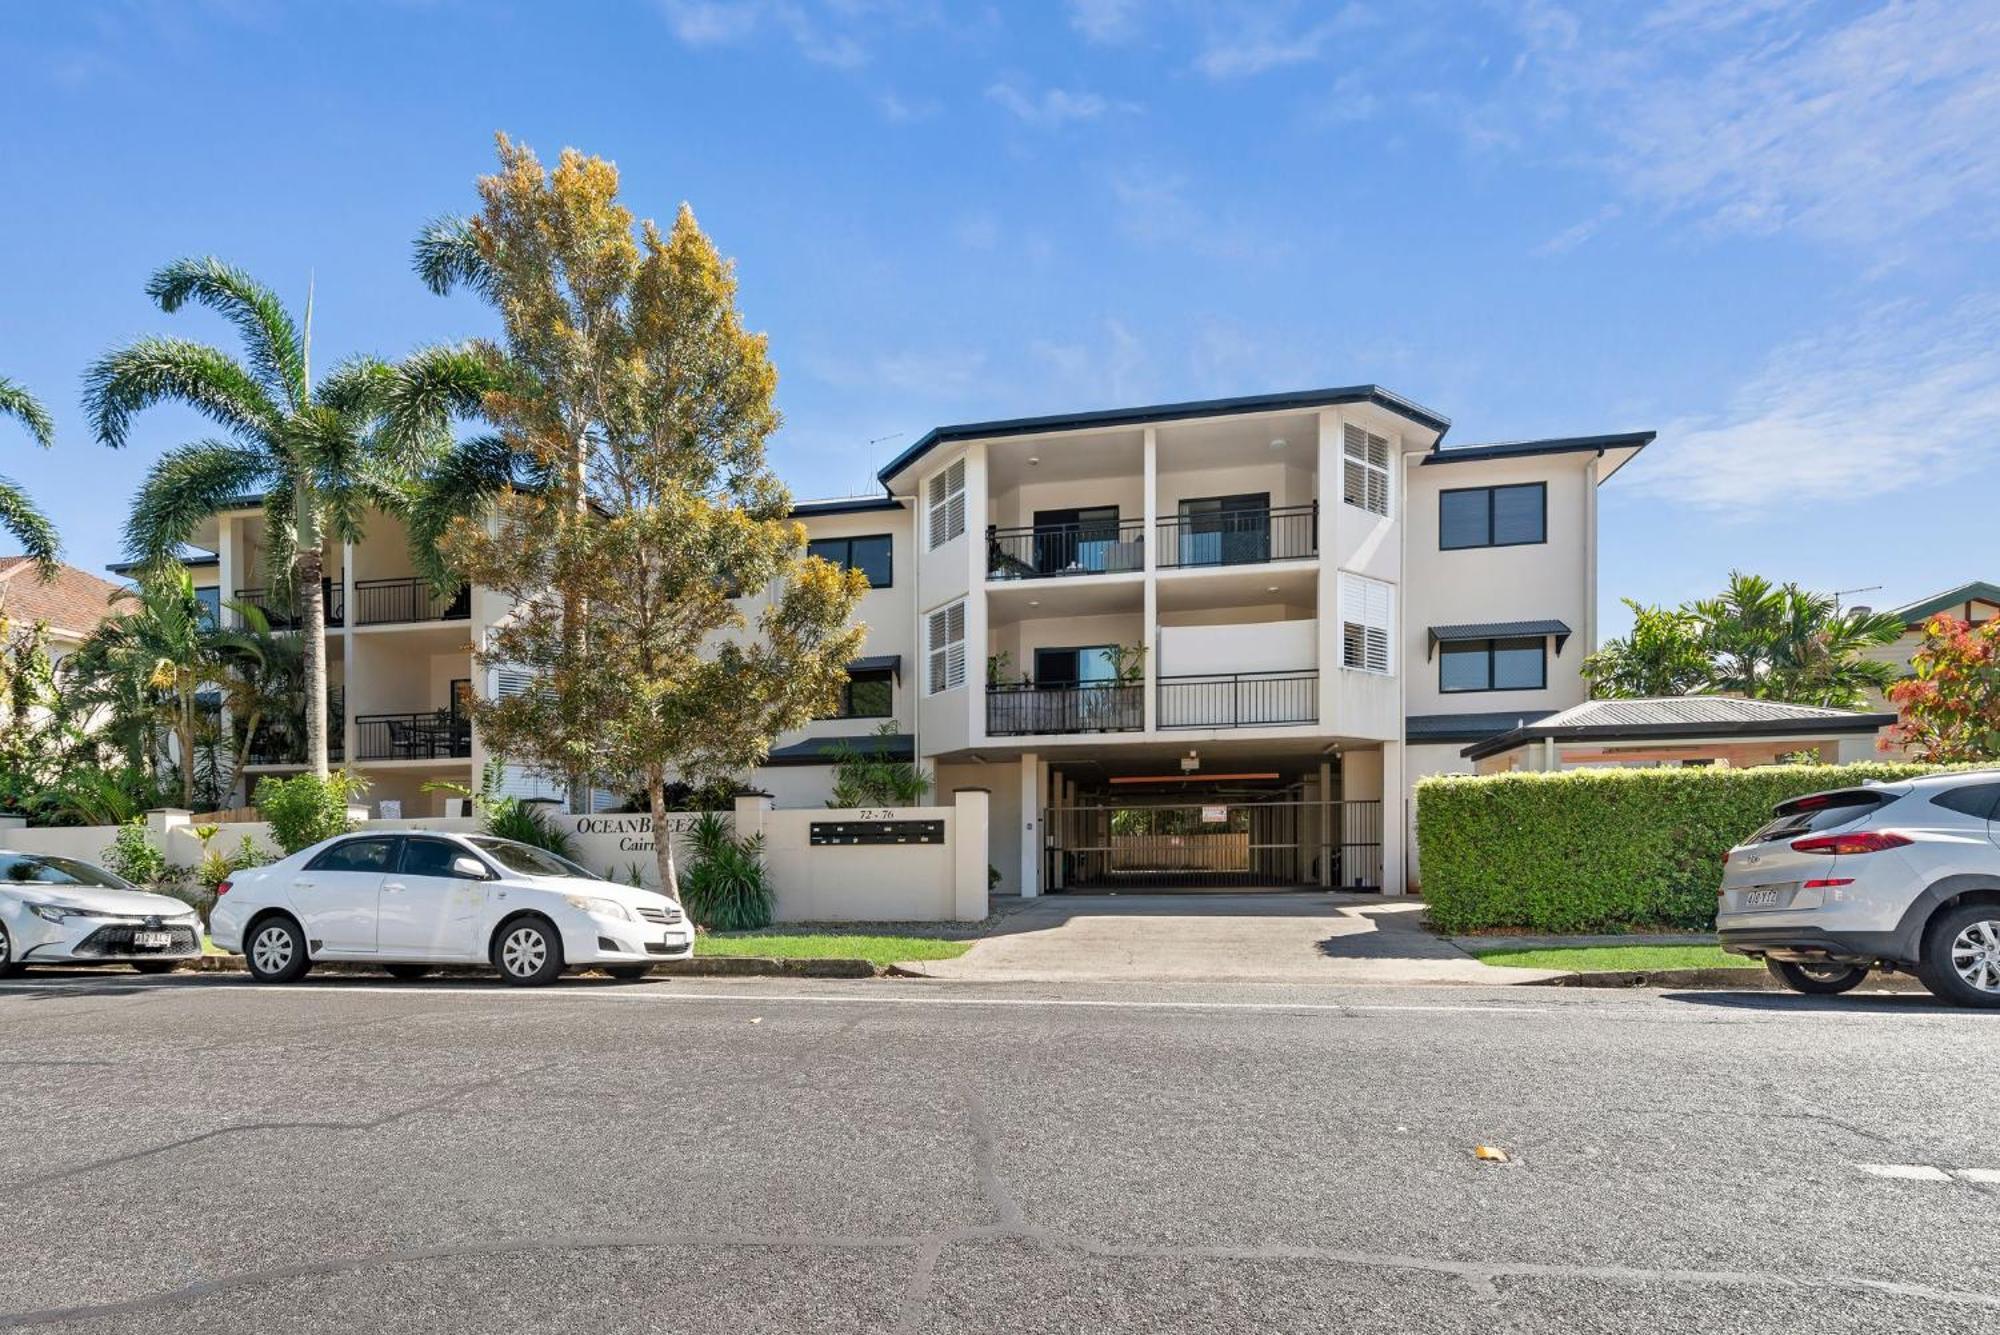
(628, 495)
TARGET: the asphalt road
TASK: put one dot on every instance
(198, 1154)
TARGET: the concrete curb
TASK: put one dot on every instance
(1725, 980)
(705, 966)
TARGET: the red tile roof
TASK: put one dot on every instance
(73, 603)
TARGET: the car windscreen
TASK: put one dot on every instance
(42, 869)
(1820, 811)
(527, 860)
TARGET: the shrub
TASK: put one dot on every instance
(526, 823)
(133, 856)
(306, 809)
(725, 888)
(1599, 850)
(861, 780)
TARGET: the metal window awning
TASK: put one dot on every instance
(879, 663)
(1497, 630)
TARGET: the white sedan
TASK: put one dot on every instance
(57, 910)
(412, 900)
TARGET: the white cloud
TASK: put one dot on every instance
(900, 110)
(1052, 108)
(1111, 371)
(1257, 42)
(926, 373)
(1158, 208)
(1105, 20)
(707, 23)
(1573, 236)
(1898, 397)
(1758, 117)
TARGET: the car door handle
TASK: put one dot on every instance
(302, 885)
(394, 887)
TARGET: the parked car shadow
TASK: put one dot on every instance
(1874, 1003)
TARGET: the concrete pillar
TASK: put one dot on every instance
(977, 517)
(753, 812)
(971, 808)
(1327, 493)
(1149, 621)
(1323, 854)
(350, 737)
(1395, 821)
(1031, 825)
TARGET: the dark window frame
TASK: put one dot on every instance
(846, 562)
(1465, 648)
(872, 676)
(1490, 491)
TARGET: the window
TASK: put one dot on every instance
(1493, 665)
(526, 861)
(1090, 665)
(362, 855)
(433, 857)
(1493, 516)
(946, 642)
(211, 606)
(947, 505)
(1974, 800)
(47, 869)
(870, 555)
(869, 694)
(1367, 622)
(1364, 471)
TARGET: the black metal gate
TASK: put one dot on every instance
(1238, 845)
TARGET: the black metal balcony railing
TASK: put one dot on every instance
(431, 736)
(289, 614)
(1049, 550)
(379, 602)
(1239, 537)
(1239, 700)
(1109, 706)
(285, 743)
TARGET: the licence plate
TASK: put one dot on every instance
(152, 940)
(1762, 899)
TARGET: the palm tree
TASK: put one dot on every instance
(321, 455)
(18, 514)
(263, 672)
(158, 656)
(1781, 642)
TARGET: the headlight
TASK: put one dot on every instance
(57, 913)
(598, 908)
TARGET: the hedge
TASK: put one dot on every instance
(1599, 850)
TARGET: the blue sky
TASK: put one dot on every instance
(1765, 228)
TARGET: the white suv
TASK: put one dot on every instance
(1899, 876)
(413, 899)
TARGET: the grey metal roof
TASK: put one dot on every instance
(1662, 718)
(878, 663)
(826, 750)
(1498, 630)
(1508, 449)
(1924, 608)
(1467, 727)
(844, 505)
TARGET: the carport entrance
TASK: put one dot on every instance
(1258, 843)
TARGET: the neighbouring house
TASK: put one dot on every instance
(1976, 603)
(1212, 642)
(72, 605)
(1680, 730)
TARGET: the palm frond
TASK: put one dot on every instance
(29, 527)
(431, 387)
(447, 255)
(466, 482)
(18, 403)
(183, 489)
(277, 355)
(357, 388)
(153, 370)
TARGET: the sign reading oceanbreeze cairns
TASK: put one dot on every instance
(1214, 815)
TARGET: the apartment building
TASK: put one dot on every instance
(1206, 643)
(1212, 642)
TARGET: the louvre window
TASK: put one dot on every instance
(945, 640)
(1364, 470)
(871, 555)
(947, 505)
(1493, 516)
(1367, 623)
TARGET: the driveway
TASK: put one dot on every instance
(1218, 938)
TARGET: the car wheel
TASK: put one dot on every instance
(155, 966)
(406, 971)
(276, 951)
(1817, 980)
(628, 973)
(8, 966)
(1961, 955)
(528, 952)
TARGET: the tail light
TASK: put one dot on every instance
(1861, 841)
(221, 888)
(1828, 882)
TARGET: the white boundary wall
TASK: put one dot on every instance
(869, 883)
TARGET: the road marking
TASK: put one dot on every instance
(644, 993)
(1988, 1176)
(1909, 1172)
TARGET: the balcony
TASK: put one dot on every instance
(383, 602)
(1239, 700)
(1245, 536)
(288, 614)
(280, 743)
(437, 735)
(1050, 551)
(1029, 711)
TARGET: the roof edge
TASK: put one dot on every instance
(1524, 449)
(1802, 727)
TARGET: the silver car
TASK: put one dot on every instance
(56, 910)
(1899, 876)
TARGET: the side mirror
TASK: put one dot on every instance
(469, 867)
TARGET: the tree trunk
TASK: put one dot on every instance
(663, 838)
(308, 568)
(184, 735)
